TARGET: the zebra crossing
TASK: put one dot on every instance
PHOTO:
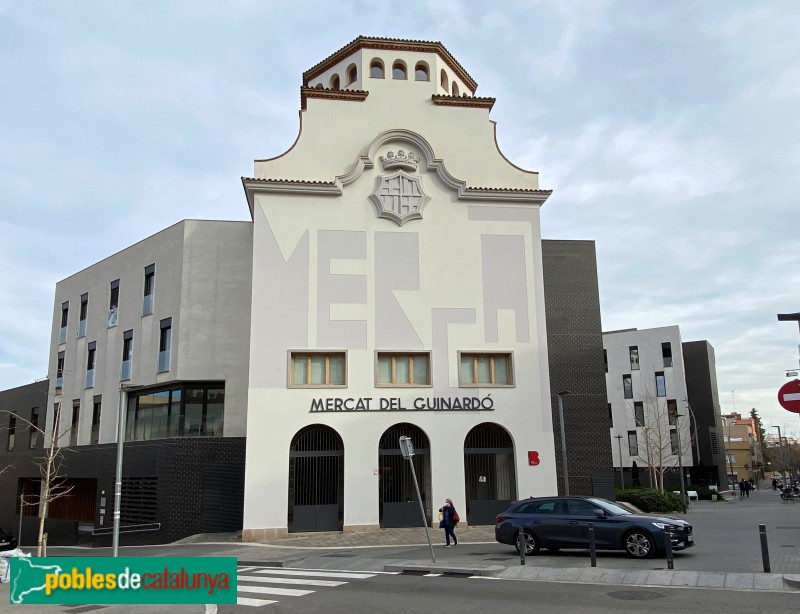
(256, 585)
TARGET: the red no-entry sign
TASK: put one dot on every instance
(789, 396)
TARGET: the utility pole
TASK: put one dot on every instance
(560, 396)
(618, 437)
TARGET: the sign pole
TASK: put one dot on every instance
(407, 448)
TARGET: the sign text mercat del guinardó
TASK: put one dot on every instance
(334, 404)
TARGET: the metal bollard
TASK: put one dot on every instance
(762, 533)
(670, 564)
(521, 540)
(592, 551)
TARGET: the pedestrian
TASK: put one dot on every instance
(741, 489)
(774, 484)
(448, 519)
(747, 488)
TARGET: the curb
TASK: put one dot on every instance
(446, 569)
(792, 580)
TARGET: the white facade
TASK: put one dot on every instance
(200, 285)
(356, 254)
(646, 382)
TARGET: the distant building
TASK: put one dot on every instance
(700, 371)
(743, 448)
(650, 425)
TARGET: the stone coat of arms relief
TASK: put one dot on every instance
(399, 196)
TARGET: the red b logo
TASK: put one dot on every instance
(533, 458)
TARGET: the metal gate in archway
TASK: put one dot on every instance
(399, 506)
(316, 480)
(491, 484)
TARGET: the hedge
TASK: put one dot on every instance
(650, 499)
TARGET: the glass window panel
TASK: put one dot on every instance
(336, 369)
(484, 370)
(384, 369)
(193, 416)
(215, 407)
(299, 370)
(466, 370)
(175, 421)
(501, 370)
(421, 369)
(401, 374)
(317, 369)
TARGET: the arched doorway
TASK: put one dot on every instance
(316, 480)
(399, 506)
(491, 484)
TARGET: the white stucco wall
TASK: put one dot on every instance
(317, 262)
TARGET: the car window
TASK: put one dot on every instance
(526, 508)
(580, 507)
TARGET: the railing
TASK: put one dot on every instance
(131, 528)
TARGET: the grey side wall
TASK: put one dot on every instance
(575, 348)
(701, 386)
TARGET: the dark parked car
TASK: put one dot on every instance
(7, 540)
(563, 522)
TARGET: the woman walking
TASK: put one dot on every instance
(448, 522)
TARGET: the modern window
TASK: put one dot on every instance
(149, 289)
(164, 344)
(62, 333)
(97, 405)
(672, 412)
(605, 358)
(399, 71)
(376, 69)
(714, 442)
(443, 81)
(60, 371)
(638, 412)
(633, 443)
(91, 353)
(413, 369)
(334, 84)
(455, 89)
(76, 414)
(83, 313)
(33, 429)
(479, 369)
(188, 410)
(12, 431)
(661, 384)
(352, 74)
(627, 386)
(610, 417)
(421, 72)
(666, 353)
(633, 351)
(673, 440)
(317, 369)
(113, 303)
(127, 356)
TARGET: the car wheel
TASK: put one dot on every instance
(639, 544)
(531, 543)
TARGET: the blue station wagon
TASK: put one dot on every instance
(563, 522)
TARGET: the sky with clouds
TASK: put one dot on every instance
(668, 131)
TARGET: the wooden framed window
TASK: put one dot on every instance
(317, 369)
(485, 369)
(376, 69)
(403, 369)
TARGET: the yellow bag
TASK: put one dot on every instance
(441, 516)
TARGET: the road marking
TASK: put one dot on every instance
(432, 575)
(278, 580)
(268, 590)
(317, 574)
(254, 602)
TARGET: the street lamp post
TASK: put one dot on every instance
(729, 454)
(560, 396)
(121, 418)
(680, 462)
(618, 437)
(696, 432)
(783, 457)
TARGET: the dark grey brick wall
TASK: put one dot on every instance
(575, 350)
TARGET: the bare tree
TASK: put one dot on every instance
(51, 469)
(660, 446)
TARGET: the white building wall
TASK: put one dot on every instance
(617, 346)
(465, 277)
